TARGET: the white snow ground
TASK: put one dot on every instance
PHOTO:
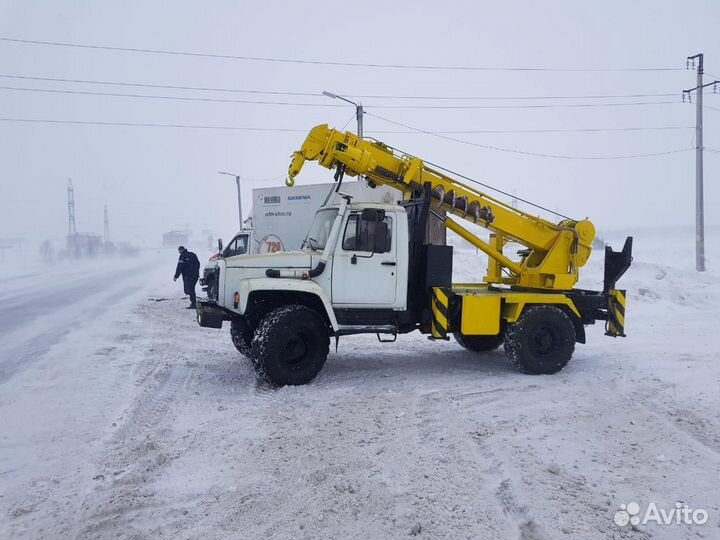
(123, 419)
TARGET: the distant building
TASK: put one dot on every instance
(84, 244)
(175, 238)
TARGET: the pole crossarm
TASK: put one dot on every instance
(715, 84)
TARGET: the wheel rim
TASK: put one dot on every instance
(295, 350)
(544, 341)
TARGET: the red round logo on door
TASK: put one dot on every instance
(270, 244)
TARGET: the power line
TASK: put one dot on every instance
(304, 130)
(570, 130)
(270, 179)
(325, 62)
(591, 96)
(478, 182)
(304, 104)
(536, 154)
(171, 98)
(534, 106)
(713, 150)
(711, 108)
(316, 94)
(349, 120)
(145, 124)
(161, 86)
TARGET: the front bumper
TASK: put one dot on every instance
(209, 314)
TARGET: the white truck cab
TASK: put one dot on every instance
(349, 277)
(354, 257)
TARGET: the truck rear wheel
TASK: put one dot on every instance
(242, 338)
(478, 343)
(542, 341)
(290, 345)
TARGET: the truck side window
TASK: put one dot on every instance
(360, 235)
(241, 246)
(231, 248)
(237, 246)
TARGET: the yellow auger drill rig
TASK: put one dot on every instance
(538, 286)
(369, 268)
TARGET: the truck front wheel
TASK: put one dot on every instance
(290, 345)
(542, 341)
(242, 338)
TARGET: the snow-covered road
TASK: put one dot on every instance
(39, 308)
(136, 423)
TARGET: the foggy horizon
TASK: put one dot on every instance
(156, 179)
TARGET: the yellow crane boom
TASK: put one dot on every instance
(555, 251)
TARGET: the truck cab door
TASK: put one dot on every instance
(364, 271)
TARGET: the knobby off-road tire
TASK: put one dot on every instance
(542, 341)
(290, 345)
(478, 343)
(242, 338)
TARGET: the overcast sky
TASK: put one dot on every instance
(155, 179)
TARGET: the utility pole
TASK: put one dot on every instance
(359, 113)
(696, 61)
(106, 231)
(239, 196)
(71, 208)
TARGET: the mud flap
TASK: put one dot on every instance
(616, 264)
(440, 307)
(616, 313)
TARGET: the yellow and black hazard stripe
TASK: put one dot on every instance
(616, 313)
(440, 302)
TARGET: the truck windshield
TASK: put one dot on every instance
(320, 229)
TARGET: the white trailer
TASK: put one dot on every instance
(281, 216)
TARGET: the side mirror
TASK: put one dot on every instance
(220, 246)
(381, 237)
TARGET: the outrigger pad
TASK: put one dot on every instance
(616, 264)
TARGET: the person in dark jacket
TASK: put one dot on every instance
(188, 267)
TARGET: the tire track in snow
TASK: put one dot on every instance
(528, 529)
(472, 453)
(687, 424)
(152, 404)
(136, 451)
